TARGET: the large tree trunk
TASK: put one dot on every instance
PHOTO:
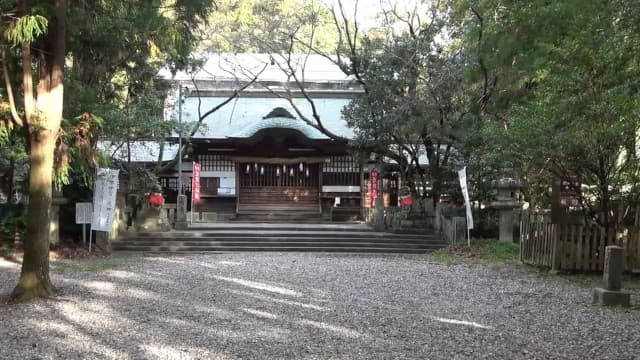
(43, 133)
(34, 280)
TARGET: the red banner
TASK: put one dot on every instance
(374, 187)
(195, 183)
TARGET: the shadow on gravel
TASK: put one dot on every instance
(165, 312)
(181, 307)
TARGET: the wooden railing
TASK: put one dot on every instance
(574, 247)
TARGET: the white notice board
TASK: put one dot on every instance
(84, 212)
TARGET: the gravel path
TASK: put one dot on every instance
(310, 306)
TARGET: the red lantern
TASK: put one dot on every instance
(156, 199)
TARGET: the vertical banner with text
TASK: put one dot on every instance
(374, 187)
(104, 199)
(465, 193)
(195, 183)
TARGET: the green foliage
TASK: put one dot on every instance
(265, 26)
(556, 93)
(411, 109)
(485, 251)
(26, 29)
(10, 226)
(76, 154)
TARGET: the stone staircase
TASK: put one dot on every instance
(281, 217)
(279, 237)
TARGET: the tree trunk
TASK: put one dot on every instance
(34, 280)
(43, 133)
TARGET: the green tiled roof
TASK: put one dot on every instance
(279, 123)
(244, 116)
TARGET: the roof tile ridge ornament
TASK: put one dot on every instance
(279, 112)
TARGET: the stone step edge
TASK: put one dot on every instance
(283, 249)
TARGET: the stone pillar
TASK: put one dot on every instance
(181, 213)
(507, 187)
(54, 217)
(506, 226)
(437, 224)
(611, 294)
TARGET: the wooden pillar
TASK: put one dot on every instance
(362, 193)
(320, 173)
(379, 202)
(237, 186)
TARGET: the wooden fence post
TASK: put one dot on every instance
(556, 250)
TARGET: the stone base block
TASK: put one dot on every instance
(181, 225)
(149, 219)
(209, 216)
(608, 297)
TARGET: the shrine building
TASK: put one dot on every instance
(257, 154)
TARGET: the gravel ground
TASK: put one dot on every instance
(310, 306)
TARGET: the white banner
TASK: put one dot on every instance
(465, 193)
(104, 199)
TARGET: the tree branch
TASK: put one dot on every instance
(7, 82)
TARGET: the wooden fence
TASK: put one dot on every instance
(454, 229)
(574, 247)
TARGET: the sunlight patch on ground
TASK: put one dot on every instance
(179, 322)
(260, 286)
(164, 352)
(230, 263)
(461, 322)
(101, 286)
(219, 264)
(262, 314)
(74, 336)
(281, 301)
(121, 274)
(141, 294)
(165, 259)
(333, 328)
(8, 264)
(219, 313)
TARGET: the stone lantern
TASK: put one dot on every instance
(507, 187)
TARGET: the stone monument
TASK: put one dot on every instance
(54, 223)
(181, 213)
(507, 187)
(151, 217)
(611, 294)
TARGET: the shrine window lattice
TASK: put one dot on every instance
(216, 162)
(171, 184)
(341, 170)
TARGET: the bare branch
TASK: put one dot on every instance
(203, 116)
(7, 82)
